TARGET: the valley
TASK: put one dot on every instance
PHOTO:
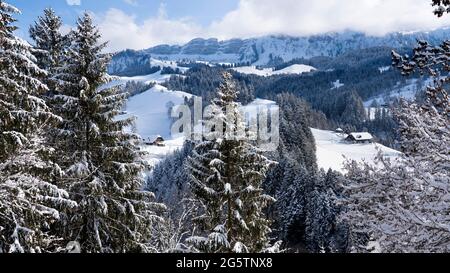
(151, 109)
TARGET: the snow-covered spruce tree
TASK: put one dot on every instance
(424, 128)
(442, 7)
(290, 209)
(102, 164)
(404, 205)
(29, 204)
(324, 232)
(307, 211)
(227, 174)
(50, 45)
(168, 180)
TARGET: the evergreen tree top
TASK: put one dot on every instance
(50, 44)
(46, 25)
(227, 92)
(85, 61)
(6, 19)
(8, 8)
(17, 65)
(88, 35)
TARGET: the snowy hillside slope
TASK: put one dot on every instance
(252, 70)
(407, 91)
(156, 154)
(295, 69)
(332, 151)
(151, 78)
(152, 110)
(253, 106)
(267, 72)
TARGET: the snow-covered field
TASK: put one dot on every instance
(255, 106)
(295, 69)
(267, 72)
(152, 78)
(152, 110)
(155, 154)
(332, 150)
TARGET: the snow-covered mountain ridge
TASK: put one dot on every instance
(270, 50)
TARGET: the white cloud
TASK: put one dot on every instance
(123, 31)
(262, 17)
(73, 2)
(294, 17)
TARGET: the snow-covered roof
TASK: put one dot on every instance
(154, 137)
(362, 136)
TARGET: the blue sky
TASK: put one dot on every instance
(140, 24)
(201, 11)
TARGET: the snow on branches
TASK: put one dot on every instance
(226, 180)
(442, 7)
(405, 205)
